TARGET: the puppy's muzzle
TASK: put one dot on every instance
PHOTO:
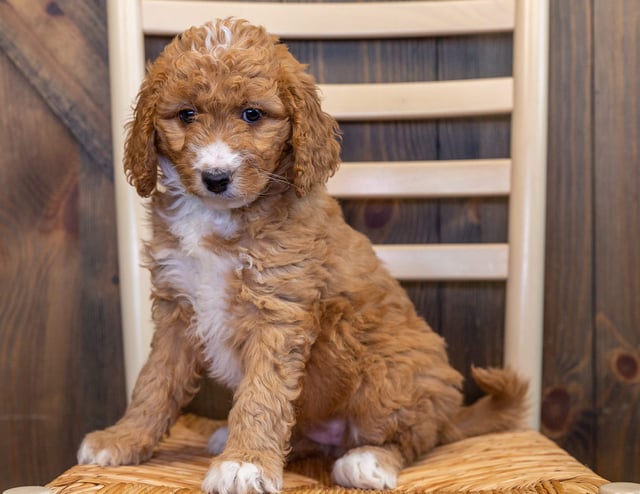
(216, 181)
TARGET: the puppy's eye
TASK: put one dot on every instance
(251, 115)
(187, 115)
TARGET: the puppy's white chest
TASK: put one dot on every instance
(201, 276)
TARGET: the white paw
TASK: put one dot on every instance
(86, 456)
(232, 477)
(361, 469)
(218, 440)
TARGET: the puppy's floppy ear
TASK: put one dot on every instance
(140, 157)
(315, 134)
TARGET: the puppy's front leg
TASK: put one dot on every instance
(263, 414)
(165, 384)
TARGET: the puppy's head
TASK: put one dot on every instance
(229, 115)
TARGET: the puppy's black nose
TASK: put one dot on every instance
(216, 181)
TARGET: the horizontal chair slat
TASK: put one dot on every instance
(444, 262)
(336, 20)
(459, 178)
(418, 100)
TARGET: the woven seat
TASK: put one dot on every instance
(510, 463)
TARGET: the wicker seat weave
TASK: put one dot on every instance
(523, 462)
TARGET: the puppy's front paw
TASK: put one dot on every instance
(363, 469)
(114, 446)
(238, 477)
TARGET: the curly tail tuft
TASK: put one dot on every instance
(504, 408)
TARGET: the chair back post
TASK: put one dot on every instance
(126, 56)
(525, 285)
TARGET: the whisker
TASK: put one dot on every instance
(274, 177)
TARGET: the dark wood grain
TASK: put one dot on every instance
(61, 370)
(68, 70)
(617, 236)
(567, 404)
(39, 273)
(98, 368)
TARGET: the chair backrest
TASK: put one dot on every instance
(521, 177)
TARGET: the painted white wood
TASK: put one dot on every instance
(458, 178)
(338, 20)
(418, 100)
(446, 261)
(525, 287)
(126, 61)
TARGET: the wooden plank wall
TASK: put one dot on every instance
(61, 370)
(60, 347)
(591, 402)
(568, 414)
(616, 141)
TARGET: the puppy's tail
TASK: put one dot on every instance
(503, 409)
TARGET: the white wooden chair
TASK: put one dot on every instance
(503, 463)
(521, 177)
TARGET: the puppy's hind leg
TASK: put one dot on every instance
(369, 467)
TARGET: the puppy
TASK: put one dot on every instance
(259, 283)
